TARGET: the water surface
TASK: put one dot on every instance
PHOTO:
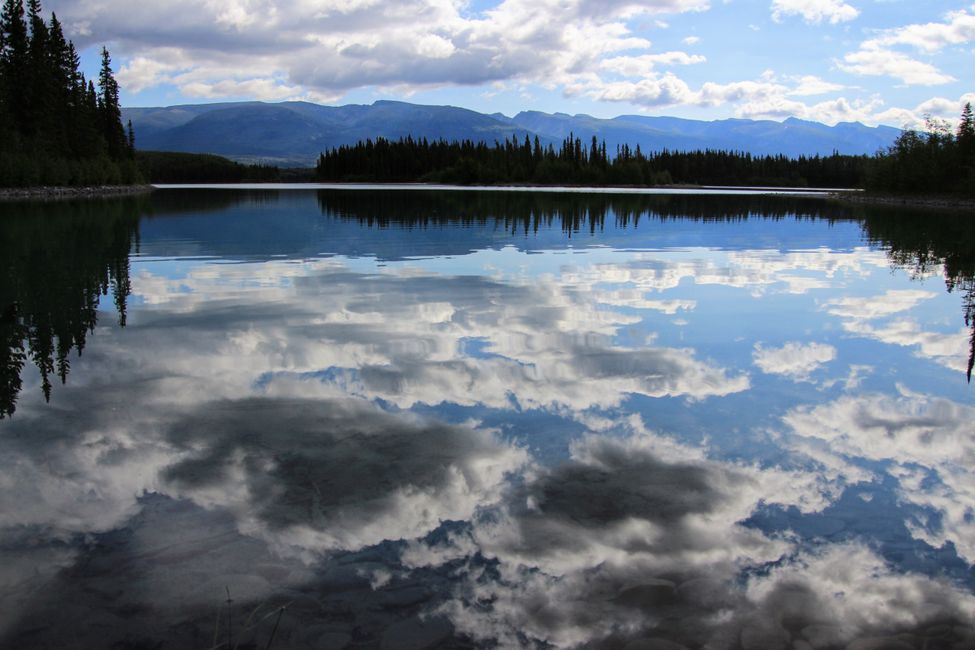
(386, 418)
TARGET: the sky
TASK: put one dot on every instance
(875, 61)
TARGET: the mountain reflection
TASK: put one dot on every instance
(58, 260)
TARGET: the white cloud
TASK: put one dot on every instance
(814, 11)
(794, 359)
(878, 56)
(813, 85)
(625, 530)
(644, 65)
(958, 28)
(861, 314)
(305, 49)
(879, 61)
(853, 591)
(908, 431)
(915, 118)
(890, 302)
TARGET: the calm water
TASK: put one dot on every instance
(420, 419)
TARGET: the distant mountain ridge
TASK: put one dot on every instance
(294, 133)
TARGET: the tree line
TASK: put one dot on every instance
(935, 160)
(176, 167)
(56, 127)
(575, 163)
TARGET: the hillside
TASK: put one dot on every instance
(294, 133)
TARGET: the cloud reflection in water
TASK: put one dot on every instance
(368, 439)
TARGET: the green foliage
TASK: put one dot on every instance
(467, 163)
(932, 161)
(54, 128)
(171, 167)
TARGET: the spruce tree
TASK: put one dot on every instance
(14, 62)
(109, 110)
(966, 131)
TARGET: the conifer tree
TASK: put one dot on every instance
(14, 61)
(966, 132)
(108, 106)
(54, 128)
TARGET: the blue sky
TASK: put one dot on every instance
(876, 61)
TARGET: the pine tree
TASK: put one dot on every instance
(966, 131)
(14, 62)
(109, 110)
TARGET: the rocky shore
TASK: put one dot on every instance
(934, 202)
(86, 191)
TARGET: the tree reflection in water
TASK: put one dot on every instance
(59, 259)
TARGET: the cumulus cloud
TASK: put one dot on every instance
(957, 28)
(395, 337)
(879, 56)
(795, 360)
(629, 534)
(639, 540)
(845, 591)
(926, 442)
(874, 60)
(870, 317)
(890, 302)
(760, 271)
(814, 11)
(333, 474)
(319, 53)
(302, 48)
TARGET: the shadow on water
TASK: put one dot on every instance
(59, 260)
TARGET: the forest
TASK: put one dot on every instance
(575, 163)
(936, 160)
(176, 167)
(56, 127)
(933, 161)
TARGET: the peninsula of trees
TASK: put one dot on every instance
(56, 127)
(923, 162)
(576, 163)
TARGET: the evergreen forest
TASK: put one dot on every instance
(576, 163)
(56, 127)
(935, 160)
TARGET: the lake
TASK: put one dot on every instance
(394, 418)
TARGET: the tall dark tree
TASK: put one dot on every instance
(15, 62)
(935, 160)
(109, 109)
(966, 135)
(54, 128)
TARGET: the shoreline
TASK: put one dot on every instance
(931, 202)
(69, 192)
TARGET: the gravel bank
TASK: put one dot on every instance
(908, 201)
(88, 191)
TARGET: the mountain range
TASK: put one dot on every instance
(294, 133)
